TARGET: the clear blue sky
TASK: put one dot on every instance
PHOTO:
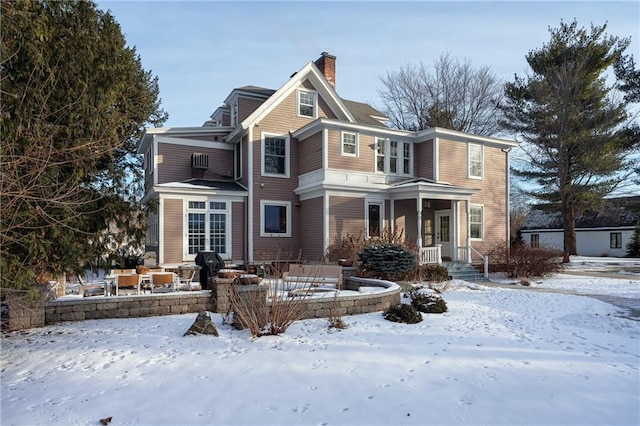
(201, 50)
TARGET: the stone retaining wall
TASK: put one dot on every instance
(99, 307)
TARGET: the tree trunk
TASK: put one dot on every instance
(569, 220)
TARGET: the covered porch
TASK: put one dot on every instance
(436, 215)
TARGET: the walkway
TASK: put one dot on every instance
(632, 305)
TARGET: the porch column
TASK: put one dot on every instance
(468, 203)
(419, 215)
(455, 231)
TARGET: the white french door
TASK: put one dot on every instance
(443, 231)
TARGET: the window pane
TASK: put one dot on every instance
(406, 154)
(306, 102)
(217, 206)
(348, 143)
(197, 235)
(197, 205)
(218, 232)
(275, 219)
(274, 155)
(380, 155)
(475, 160)
(475, 222)
(374, 220)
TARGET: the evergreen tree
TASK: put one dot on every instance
(75, 99)
(576, 135)
(633, 247)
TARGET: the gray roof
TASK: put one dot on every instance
(257, 90)
(614, 212)
(363, 113)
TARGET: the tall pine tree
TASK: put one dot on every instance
(576, 134)
(75, 99)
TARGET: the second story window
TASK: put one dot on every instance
(380, 154)
(406, 159)
(275, 155)
(393, 157)
(307, 103)
(349, 144)
(475, 161)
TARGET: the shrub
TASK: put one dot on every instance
(346, 247)
(403, 313)
(427, 303)
(524, 261)
(633, 247)
(387, 261)
(436, 273)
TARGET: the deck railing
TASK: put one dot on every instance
(465, 254)
(431, 255)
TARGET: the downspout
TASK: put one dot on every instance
(250, 195)
(508, 197)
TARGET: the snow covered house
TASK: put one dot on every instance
(602, 232)
(296, 167)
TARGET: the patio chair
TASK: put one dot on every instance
(184, 280)
(129, 281)
(163, 280)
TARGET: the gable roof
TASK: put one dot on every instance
(309, 72)
(615, 212)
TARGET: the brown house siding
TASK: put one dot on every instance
(311, 213)
(174, 162)
(492, 195)
(172, 240)
(364, 162)
(238, 232)
(345, 216)
(423, 159)
(246, 106)
(310, 153)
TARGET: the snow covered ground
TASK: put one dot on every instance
(499, 356)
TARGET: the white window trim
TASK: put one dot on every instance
(287, 154)
(286, 204)
(357, 143)
(185, 225)
(367, 203)
(315, 102)
(469, 175)
(385, 151)
(410, 171)
(482, 220)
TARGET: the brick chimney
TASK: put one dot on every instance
(327, 65)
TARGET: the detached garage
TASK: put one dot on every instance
(603, 232)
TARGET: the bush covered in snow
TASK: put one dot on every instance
(429, 303)
(403, 313)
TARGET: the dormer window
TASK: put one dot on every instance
(307, 103)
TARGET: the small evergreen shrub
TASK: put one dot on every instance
(387, 261)
(435, 273)
(427, 303)
(403, 313)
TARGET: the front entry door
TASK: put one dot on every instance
(443, 231)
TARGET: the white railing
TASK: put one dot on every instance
(431, 254)
(465, 254)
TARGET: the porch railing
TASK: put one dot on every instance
(431, 254)
(465, 254)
